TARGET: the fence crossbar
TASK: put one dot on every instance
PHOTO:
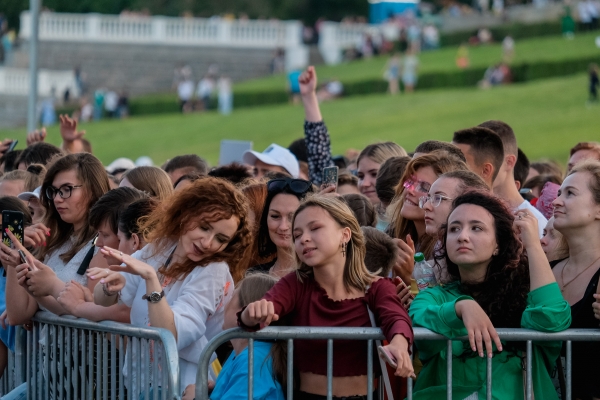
(369, 334)
(95, 344)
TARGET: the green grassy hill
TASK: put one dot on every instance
(554, 48)
(548, 117)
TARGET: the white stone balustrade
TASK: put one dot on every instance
(15, 82)
(164, 30)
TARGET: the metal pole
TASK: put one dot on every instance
(34, 14)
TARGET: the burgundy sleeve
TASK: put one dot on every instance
(390, 315)
(283, 297)
(283, 294)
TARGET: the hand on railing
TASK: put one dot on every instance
(479, 327)
(260, 312)
(398, 348)
(73, 295)
(39, 135)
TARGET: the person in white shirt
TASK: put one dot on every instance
(504, 185)
(181, 280)
(185, 92)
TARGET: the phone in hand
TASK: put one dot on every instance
(330, 177)
(13, 221)
(387, 356)
(12, 146)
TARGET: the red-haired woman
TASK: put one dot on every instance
(181, 281)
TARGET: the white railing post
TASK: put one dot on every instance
(93, 27)
(224, 35)
(159, 29)
(25, 31)
(328, 44)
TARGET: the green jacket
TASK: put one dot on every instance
(433, 309)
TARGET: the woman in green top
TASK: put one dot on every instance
(492, 283)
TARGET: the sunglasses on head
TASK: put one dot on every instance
(297, 186)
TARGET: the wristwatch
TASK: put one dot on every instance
(154, 297)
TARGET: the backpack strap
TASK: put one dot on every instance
(85, 264)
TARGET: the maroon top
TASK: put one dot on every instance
(307, 304)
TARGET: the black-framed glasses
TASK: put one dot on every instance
(435, 200)
(64, 191)
(298, 186)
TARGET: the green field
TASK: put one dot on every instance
(554, 48)
(548, 116)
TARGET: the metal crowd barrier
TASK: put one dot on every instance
(71, 358)
(370, 334)
(14, 374)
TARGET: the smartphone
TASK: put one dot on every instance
(13, 221)
(233, 151)
(330, 176)
(12, 146)
(387, 356)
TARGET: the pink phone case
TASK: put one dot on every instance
(387, 356)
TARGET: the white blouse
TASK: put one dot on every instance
(197, 301)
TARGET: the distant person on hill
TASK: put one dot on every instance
(206, 87)
(462, 56)
(568, 24)
(392, 73)
(225, 95)
(508, 49)
(410, 65)
(185, 92)
(594, 82)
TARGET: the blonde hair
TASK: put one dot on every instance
(356, 274)
(151, 180)
(592, 167)
(441, 162)
(379, 152)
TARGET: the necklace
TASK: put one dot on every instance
(562, 271)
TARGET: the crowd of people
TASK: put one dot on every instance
(196, 250)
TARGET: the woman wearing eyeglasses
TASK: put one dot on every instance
(275, 231)
(438, 203)
(408, 219)
(71, 186)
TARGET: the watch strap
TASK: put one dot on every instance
(151, 295)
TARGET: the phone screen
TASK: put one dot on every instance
(330, 176)
(13, 221)
(12, 146)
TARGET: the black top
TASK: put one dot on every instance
(585, 367)
(261, 268)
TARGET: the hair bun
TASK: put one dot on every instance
(36, 169)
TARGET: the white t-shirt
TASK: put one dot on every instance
(542, 221)
(198, 302)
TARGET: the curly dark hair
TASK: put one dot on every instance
(207, 199)
(503, 293)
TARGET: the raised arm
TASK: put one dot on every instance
(318, 143)
(540, 272)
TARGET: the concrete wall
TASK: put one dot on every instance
(145, 68)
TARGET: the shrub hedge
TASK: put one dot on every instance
(449, 79)
(516, 31)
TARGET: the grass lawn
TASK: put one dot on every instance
(551, 48)
(548, 117)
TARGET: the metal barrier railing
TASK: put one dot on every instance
(14, 374)
(71, 358)
(370, 334)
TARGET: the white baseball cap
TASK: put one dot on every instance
(120, 164)
(274, 155)
(26, 196)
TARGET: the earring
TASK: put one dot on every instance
(344, 247)
(495, 253)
